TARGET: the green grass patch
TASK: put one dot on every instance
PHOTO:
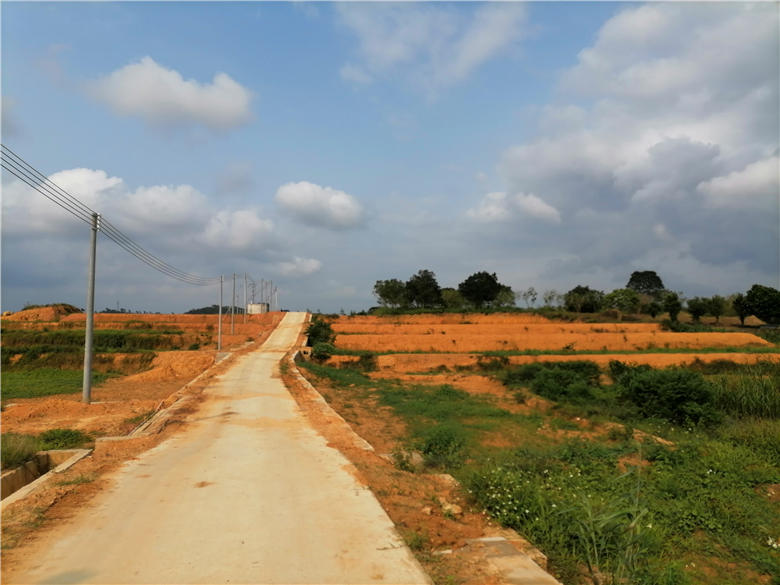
(17, 449)
(63, 439)
(44, 382)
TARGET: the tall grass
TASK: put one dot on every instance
(16, 449)
(751, 393)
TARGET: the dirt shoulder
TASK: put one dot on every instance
(429, 510)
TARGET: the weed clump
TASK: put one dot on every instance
(443, 446)
(678, 395)
(63, 439)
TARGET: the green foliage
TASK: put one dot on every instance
(753, 392)
(676, 394)
(422, 290)
(63, 439)
(583, 299)
(741, 307)
(480, 288)
(716, 306)
(390, 293)
(505, 299)
(319, 331)
(623, 299)
(646, 282)
(559, 384)
(697, 307)
(44, 382)
(570, 381)
(764, 303)
(105, 340)
(65, 308)
(17, 449)
(321, 352)
(443, 446)
(678, 327)
(672, 305)
(653, 308)
(452, 299)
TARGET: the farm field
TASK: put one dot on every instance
(631, 462)
(140, 360)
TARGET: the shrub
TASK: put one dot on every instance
(561, 384)
(63, 439)
(523, 375)
(321, 352)
(319, 331)
(675, 394)
(443, 446)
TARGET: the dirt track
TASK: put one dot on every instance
(246, 494)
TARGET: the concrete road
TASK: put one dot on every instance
(248, 493)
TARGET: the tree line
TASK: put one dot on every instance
(644, 293)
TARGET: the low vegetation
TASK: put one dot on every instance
(632, 475)
(18, 448)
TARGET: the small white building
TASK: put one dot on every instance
(257, 308)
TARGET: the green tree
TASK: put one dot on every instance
(583, 299)
(422, 290)
(480, 288)
(672, 305)
(764, 303)
(741, 308)
(624, 300)
(452, 299)
(653, 308)
(716, 307)
(529, 296)
(504, 298)
(391, 293)
(646, 282)
(698, 306)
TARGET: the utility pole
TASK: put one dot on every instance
(86, 387)
(233, 308)
(219, 334)
(245, 305)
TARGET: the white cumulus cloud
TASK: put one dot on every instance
(299, 266)
(320, 206)
(237, 230)
(500, 207)
(162, 97)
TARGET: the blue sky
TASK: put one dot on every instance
(326, 145)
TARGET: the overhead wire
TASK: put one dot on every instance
(21, 169)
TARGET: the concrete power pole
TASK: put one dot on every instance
(86, 387)
(219, 334)
(233, 308)
(245, 305)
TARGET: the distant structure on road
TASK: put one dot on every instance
(257, 308)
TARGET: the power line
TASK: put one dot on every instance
(21, 169)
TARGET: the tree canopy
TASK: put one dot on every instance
(422, 289)
(583, 299)
(646, 282)
(480, 288)
(391, 293)
(764, 303)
